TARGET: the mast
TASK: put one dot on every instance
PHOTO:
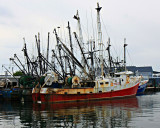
(82, 52)
(80, 36)
(109, 55)
(74, 58)
(26, 55)
(125, 53)
(92, 58)
(29, 63)
(100, 38)
(70, 40)
(39, 53)
(52, 67)
(60, 57)
(47, 51)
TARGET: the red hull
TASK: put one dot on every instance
(92, 96)
(36, 97)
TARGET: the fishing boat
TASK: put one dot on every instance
(90, 86)
(123, 85)
(72, 79)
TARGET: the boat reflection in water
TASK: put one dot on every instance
(104, 113)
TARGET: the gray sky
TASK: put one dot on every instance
(136, 20)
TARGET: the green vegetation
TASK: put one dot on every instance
(18, 73)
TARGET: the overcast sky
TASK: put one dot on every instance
(136, 20)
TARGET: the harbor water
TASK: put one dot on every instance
(135, 112)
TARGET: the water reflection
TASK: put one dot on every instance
(105, 113)
(128, 112)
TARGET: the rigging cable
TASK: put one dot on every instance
(130, 57)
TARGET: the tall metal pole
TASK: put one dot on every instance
(125, 53)
(71, 46)
(39, 53)
(26, 55)
(28, 60)
(75, 59)
(59, 50)
(51, 66)
(91, 57)
(109, 55)
(47, 51)
(100, 43)
(80, 36)
(82, 52)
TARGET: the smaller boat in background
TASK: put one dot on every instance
(6, 91)
(9, 92)
(142, 86)
(1, 89)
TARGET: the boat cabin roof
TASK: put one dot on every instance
(124, 73)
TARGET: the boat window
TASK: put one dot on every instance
(122, 79)
(100, 91)
(78, 92)
(88, 84)
(90, 92)
(101, 83)
(117, 75)
(14, 83)
(106, 82)
(65, 92)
